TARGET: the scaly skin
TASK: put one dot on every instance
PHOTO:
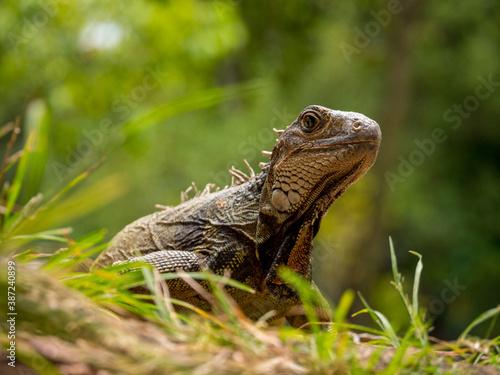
(254, 227)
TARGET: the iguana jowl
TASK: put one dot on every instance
(254, 227)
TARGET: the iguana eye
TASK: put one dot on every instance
(310, 121)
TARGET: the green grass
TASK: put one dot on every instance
(192, 340)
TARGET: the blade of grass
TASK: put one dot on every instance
(162, 288)
(305, 293)
(78, 204)
(343, 306)
(311, 299)
(76, 253)
(381, 320)
(411, 306)
(151, 282)
(489, 314)
(490, 328)
(394, 262)
(199, 312)
(209, 297)
(19, 177)
(198, 100)
(38, 120)
(209, 276)
(362, 328)
(71, 184)
(228, 305)
(416, 282)
(58, 235)
(15, 226)
(398, 281)
(394, 365)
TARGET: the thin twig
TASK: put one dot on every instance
(6, 128)
(10, 145)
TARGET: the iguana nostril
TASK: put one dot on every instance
(358, 125)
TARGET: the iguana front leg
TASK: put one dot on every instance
(168, 261)
(171, 261)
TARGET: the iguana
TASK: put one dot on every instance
(261, 222)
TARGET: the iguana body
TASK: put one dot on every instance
(253, 228)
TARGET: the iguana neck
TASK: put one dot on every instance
(278, 242)
(289, 242)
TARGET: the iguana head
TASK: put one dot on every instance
(321, 153)
(314, 161)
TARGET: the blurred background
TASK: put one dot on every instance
(172, 92)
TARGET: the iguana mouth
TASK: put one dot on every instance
(334, 185)
(342, 140)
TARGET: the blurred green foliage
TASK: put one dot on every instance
(88, 73)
